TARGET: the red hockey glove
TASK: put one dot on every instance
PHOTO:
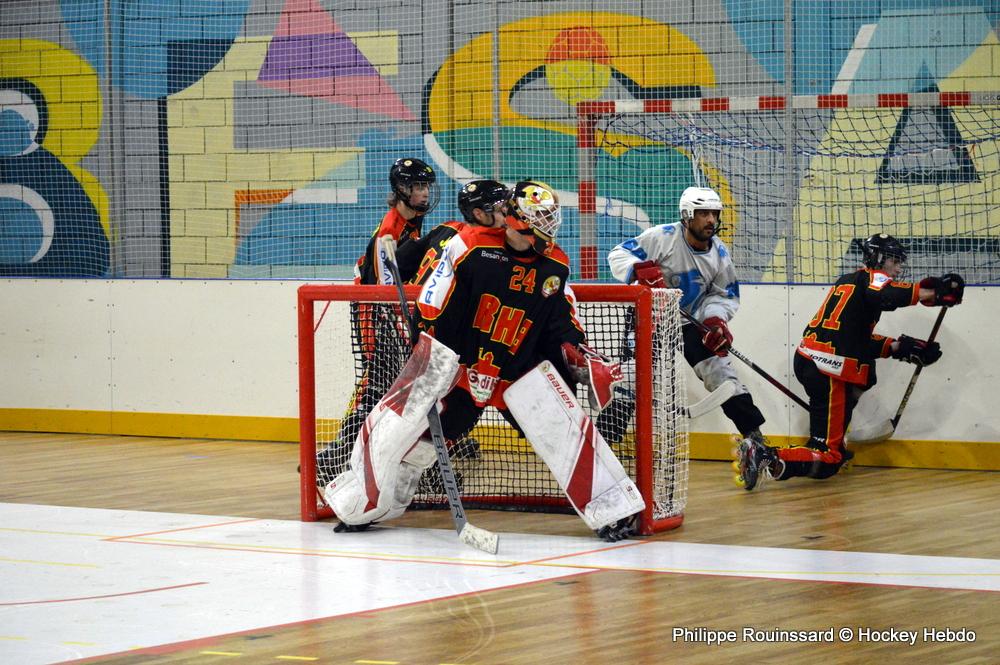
(717, 339)
(595, 369)
(650, 274)
(916, 351)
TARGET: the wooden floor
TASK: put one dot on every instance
(605, 616)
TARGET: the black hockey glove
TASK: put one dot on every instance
(916, 351)
(951, 290)
(948, 289)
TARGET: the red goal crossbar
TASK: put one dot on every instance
(315, 306)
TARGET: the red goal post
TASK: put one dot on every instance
(645, 425)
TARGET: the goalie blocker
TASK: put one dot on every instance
(584, 465)
(389, 456)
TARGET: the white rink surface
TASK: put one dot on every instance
(80, 582)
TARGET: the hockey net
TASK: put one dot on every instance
(352, 346)
(803, 179)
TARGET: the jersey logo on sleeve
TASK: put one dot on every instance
(439, 278)
(632, 247)
(879, 279)
(386, 273)
(550, 286)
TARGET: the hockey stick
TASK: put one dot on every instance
(884, 430)
(471, 535)
(752, 365)
(627, 397)
(711, 400)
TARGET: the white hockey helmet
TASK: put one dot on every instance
(699, 198)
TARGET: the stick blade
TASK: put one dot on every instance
(871, 433)
(712, 400)
(481, 539)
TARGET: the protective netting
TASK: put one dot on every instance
(253, 138)
(925, 174)
(360, 348)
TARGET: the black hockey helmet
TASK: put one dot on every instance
(487, 195)
(408, 171)
(879, 247)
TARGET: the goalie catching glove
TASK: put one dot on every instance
(948, 289)
(649, 274)
(717, 338)
(596, 370)
(916, 351)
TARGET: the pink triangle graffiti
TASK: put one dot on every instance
(310, 55)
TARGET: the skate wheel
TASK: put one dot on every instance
(738, 481)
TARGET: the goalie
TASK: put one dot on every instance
(498, 302)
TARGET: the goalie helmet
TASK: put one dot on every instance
(877, 248)
(409, 171)
(534, 209)
(487, 195)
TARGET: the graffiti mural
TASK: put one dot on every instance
(251, 138)
(948, 157)
(546, 68)
(569, 60)
(54, 212)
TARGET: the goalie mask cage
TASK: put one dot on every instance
(803, 182)
(352, 346)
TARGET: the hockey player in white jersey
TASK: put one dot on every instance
(688, 255)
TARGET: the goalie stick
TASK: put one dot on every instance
(883, 430)
(752, 365)
(471, 535)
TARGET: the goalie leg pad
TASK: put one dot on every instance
(564, 437)
(419, 458)
(387, 458)
(349, 501)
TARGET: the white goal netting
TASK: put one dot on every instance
(804, 182)
(359, 348)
